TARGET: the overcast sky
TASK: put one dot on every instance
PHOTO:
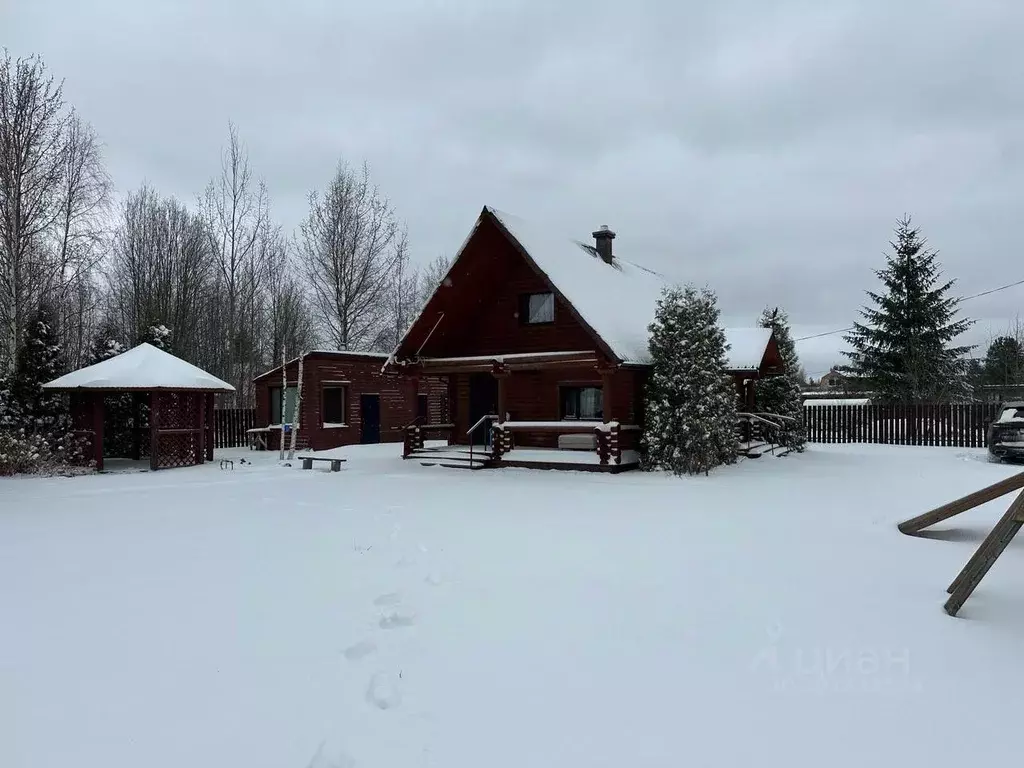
(763, 148)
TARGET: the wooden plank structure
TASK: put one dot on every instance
(946, 425)
(171, 401)
(991, 548)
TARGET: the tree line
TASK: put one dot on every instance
(235, 290)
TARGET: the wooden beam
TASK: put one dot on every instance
(970, 501)
(154, 431)
(985, 557)
(97, 429)
(200, 417)
(210, 426)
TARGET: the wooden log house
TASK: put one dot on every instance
(544, 346)
(346, 400)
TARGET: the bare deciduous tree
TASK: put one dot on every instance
(430, 277)
(236, 211)
(350, 242)
(33, 124)
(159, 270)
(288, 322)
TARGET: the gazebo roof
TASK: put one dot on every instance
(143, 368)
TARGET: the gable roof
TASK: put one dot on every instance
(141, 368)
(615, 302)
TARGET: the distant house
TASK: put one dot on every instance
(544, 345)
(346, 400)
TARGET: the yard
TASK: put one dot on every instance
(398, 615)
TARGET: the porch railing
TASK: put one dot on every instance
(416, 436)
(611, 438)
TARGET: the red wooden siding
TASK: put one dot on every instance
(535, 396)
(363, 376)
(481, 305)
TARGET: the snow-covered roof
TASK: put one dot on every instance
(616, 300)
(141, 368)
(823, 401)
(329, 352)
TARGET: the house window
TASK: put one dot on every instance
(537, 308)
(833, 382)
(333, 399)
(291, 396)
(585, 403)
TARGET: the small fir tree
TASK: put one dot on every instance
(902, 352)
(159, 335)
(105, 345)
(41, 359)
(782, 394)
(690, 424)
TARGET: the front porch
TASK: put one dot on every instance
(581, 446)
(552, 410)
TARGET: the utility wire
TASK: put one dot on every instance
(965, 298)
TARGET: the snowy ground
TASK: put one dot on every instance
(396, 615)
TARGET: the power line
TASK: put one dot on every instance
(965, 298)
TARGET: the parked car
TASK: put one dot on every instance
(1006, 433)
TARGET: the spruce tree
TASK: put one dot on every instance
(105, 345)
(1004, 362)
(159, 335)
(782, 394)
(902, 351)
(40, 359)
(690, 424)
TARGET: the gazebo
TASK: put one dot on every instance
(171, 405)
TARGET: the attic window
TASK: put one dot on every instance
(537, 308)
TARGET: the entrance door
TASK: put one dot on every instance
(483, 400)
(369, 413)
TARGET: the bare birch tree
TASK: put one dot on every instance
(33, 122)
(236, 211)
(430, 277)
(350, 242)
(288, 320)
(159, 270)
(79, 235)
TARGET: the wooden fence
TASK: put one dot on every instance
(230, 425)
(954, 425)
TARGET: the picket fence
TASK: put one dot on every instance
(230, 426)
(954, 425)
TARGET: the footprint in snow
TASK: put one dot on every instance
(360, 650)
(383, 691)
(394, 620)
(391, 598)
(331, 757)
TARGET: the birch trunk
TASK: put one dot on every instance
(298, 411)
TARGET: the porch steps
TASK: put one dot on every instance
(452, 458)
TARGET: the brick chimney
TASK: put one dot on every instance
(603, 239)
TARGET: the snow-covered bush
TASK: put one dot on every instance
(21, 453)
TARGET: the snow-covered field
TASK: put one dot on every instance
(397, 615)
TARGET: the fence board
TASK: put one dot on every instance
(949, 425)
(231, 425)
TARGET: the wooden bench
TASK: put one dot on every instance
(307, 462)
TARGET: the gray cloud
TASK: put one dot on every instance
(765, 149)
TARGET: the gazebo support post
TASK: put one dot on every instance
(154, 431)
(209, 424)
(199, 401)
(136, 429)
(96, 409)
